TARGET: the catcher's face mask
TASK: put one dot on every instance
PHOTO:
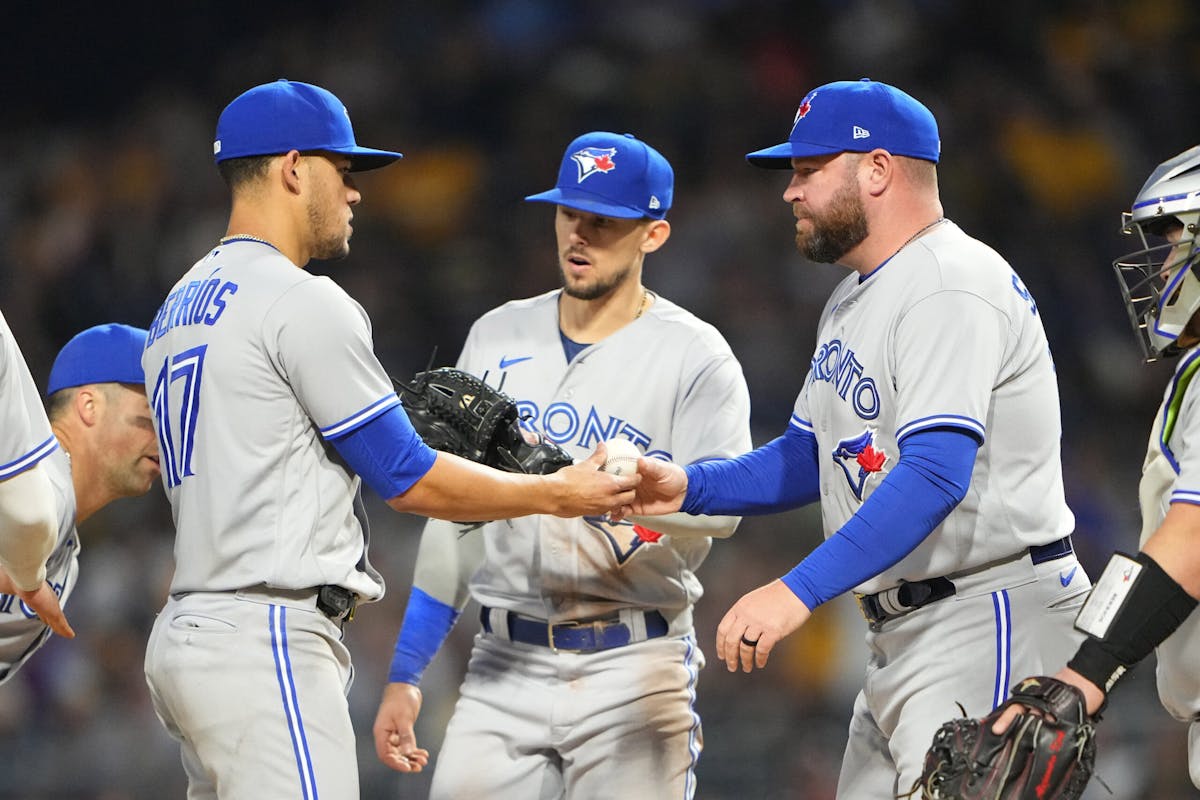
(1159, 280)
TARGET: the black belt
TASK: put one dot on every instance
(336, 602)
(585, 636)
(897, 601)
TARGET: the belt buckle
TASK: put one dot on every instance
(598, 627)
(862, 606)
(874, 618)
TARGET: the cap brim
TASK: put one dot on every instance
(780, 156)
(586, 201)
(365, 158)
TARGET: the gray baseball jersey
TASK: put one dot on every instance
(252, 364)
(1171, 474)
(21, 631)
(895, 355)
(669, 383)
(945, 334)
(25, 435)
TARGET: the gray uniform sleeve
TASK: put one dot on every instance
(712, 421)
(28, 515)
(25, 435)
(448, 556)
(28, 527)
(324, 350)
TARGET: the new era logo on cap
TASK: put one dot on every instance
(855, 116)
(613, 175)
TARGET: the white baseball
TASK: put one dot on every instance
(622, 456)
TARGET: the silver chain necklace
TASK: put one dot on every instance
(245, 237)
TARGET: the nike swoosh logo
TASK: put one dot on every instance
(1065, 579)
(505, 363)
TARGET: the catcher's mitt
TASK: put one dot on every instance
(457, 413)
(1045, 754)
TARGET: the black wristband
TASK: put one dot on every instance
(1094, 662)
(1137, 616)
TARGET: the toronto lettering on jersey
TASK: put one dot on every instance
(195, 302)
(563, 423)
(836, 364)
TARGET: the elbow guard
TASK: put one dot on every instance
(1132, 608)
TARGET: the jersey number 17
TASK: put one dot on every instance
(186, 367)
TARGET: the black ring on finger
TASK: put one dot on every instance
(749, 643)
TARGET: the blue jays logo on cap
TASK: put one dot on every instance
(613, 175)
(855, 116)
(805, 107)
(594, 159)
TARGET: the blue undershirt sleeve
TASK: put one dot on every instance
(427, 622)
(928, 481)
(387, 453)
(780, 475)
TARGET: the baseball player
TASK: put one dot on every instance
(582, 680)
(927, 427)
(271, 409)
(28, 513)
(106, 449)
(1147, 601)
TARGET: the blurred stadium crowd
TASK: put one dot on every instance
(1051, 114)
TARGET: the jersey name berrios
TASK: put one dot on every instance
(251, 364)
(943, 335)
(25, 435)
(669, 383)
(21, 631)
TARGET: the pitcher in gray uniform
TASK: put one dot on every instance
(271, 410)
(106, 449)
(927, 428)
(582, 680)
(28, 511)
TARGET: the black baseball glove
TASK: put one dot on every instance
(457, 413)
(1046, 754)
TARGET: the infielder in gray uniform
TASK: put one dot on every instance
(927, 427)
(106, 449)
(28, 512)
(582, 681)
(1147, 601)
(271, 409)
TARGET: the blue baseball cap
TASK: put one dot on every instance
(288, 115)
(855, 116)
(109, 353)
(614, 175)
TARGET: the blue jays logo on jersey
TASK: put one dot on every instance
(859, 459)
(591, 160)
(624, 536)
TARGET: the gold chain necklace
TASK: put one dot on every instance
(642, 307)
